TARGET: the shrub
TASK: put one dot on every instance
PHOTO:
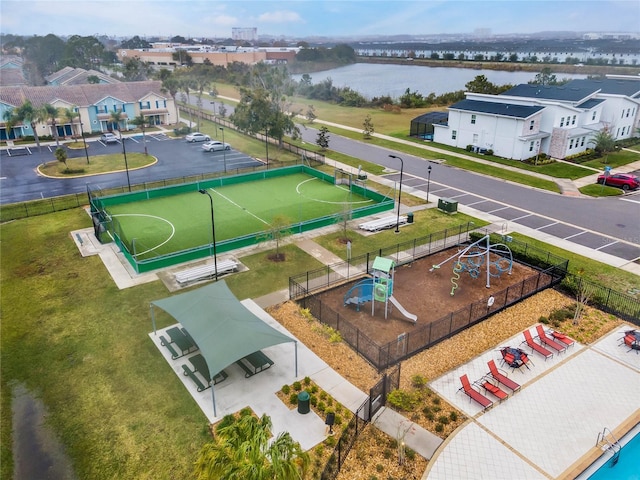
(418, 381)
(426, 410)
(338, 420)
(321, 406)
(436, 400)
(410, 454)
(225, 422)
(543, 319)
(430, 416)
(314, 389)
(379, 468)
(323, 395)
(387, 453)
(439, 427)
(297, 386)
(402, 400)
(436, 409)
(306, 380)
(330, 441)
(313, 400)
(293, 399)
(286, 389)
(443, 419)
(453, 416)
(245, 412)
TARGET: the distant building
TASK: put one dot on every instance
(77, 76)
(11, 70)
(244, 34)
(94, 103)
(559, 121)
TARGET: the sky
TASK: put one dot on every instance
(309, 18)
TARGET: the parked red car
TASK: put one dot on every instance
(624, 181)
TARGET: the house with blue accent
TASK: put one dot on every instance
(94, 103)
(559, 121)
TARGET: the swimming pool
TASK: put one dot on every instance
(627, 467)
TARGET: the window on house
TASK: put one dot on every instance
(622, 116)
(531, 124)
(475, 138)
(628, 111)
(593, 117)
(562, 121)
(454, 134)
(531, 146)
(473, 119)
(571, 144)
(573, 120)
(582, 142)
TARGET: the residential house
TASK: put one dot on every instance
(94, 102)
(559, 121)
(77, 76)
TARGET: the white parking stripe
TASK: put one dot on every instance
(605, 246)
(498, 209)
(547, 225)
(520, 218)
(574, 235)
(476, 203)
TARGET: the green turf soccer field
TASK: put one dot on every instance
(165, 225)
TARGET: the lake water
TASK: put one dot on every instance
(376, 80)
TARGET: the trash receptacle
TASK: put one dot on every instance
(303, 402)
(448, 205)
(410, 217)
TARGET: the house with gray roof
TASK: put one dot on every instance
(94, 102)
(78, 76)
(559, 121)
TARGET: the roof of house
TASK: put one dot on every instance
(566, 93)
(431, 117)
(495, 108)
(592, 102)
(615, 86)
(77, 76)
(80, 95)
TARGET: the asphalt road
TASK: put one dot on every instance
(19, 180)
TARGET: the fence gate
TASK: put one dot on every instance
(378, 393)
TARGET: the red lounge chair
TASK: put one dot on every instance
(473, 394)
(632, 340)
(491, 388)
(528, 339)
(544, 338)
(561, 337)
(503, 379)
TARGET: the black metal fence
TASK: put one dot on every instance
(305, 288)
(361, 418)
(604, 298)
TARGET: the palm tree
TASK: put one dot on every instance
(116, 118)
(241, 451)
(26, 113)
(142, 121)
(604, 142)
(49, 112)
(70, 114)
(10, 121)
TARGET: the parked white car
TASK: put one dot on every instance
(197, 137)
(215, 145)
(108, 138)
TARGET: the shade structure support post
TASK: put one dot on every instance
(153, 319)
(295, 346)
(213, 398)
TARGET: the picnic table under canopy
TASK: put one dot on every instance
(222, 327)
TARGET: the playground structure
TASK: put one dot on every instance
(472, 258)
(379, 288)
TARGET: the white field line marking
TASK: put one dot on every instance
(326, 201)
(173, 229)
(239, 206)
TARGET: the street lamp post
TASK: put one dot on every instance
(84, 141)
(399, 191)
(266, 144)
(214, 116)
(224, 152)
(213, 233)
(428, 181)
(126, 165)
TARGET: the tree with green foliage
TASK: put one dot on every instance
(322, 140)
(10, 121)
(241, 450)
(277, 231)
(545, 77)
(116, 119)
(480, 84)
(135, 42)
(61, 155)
(367, 127)
(50, 113)
(27, 113)
(136, 70)
(141, 122)
(43, 56)
(84, 52)
(604, 143)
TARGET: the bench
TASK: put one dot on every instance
(184, 342)
(196, 380)
(205, 271)
(383, 223)
(255, 362)
(166, 343)
(200, 365)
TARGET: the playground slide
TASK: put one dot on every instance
(410, 316)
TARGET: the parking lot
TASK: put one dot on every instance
(19, 180)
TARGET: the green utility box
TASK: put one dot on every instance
(448, 205)
(303, 402)
(410, 217)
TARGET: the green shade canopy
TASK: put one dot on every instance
(383, 264)
(222, 327)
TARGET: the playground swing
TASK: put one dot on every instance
(472, 258)
(379, 288)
